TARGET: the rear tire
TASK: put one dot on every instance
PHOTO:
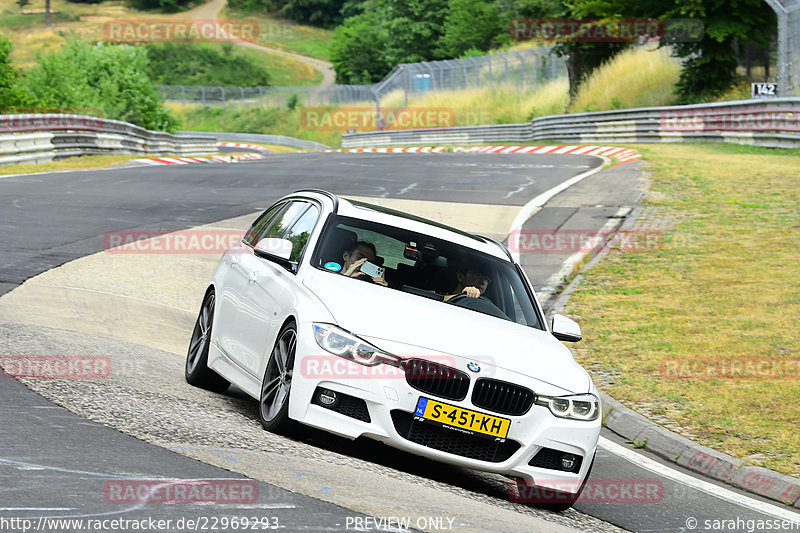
(273, 406)
(197, 372)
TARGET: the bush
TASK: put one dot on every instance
(12, 93)
(113, 79)
(203, 64)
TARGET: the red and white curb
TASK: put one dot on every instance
(623, 155)
(416, 150)
(232, 158)
(620, 154)
(259, 147)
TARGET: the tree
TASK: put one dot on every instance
(367, 46)
(12, 93)
(359, 51)
(472, 24)
(414, 28)
(709, 67)
(111, 78)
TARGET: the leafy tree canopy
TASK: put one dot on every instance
(111, 78)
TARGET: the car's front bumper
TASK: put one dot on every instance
(390, 402)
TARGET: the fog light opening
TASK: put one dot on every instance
(568, 461)
(327, 398)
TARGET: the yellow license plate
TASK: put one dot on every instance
(473, 421)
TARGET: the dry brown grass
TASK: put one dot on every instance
(71, 163)
(725, 286)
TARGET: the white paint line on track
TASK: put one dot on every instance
(703, 486)
(255, 506)
(106, 293)
(12, 509)
(537, 202)
(569, 263)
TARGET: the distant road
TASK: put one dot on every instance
(210, 11)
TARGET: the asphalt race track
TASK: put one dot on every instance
(56, 464)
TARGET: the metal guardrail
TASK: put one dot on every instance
(31, 138)
(258, 138)
(770, 123)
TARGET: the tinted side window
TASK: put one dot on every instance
(284, 220)
(262, 222)
(300, 232)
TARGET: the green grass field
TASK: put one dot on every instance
(26, 29)
(724, 288)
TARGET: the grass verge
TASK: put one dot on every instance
(638, 77)
(725, 287)
(274, 121)
(287, 35)
(83, 162)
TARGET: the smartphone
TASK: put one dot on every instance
(371, 269)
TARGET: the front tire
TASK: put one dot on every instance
(197, 372)
(273, 407)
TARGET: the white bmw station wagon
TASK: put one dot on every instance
(364, 321)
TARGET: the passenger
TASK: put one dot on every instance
(471, 282)
(357, 255)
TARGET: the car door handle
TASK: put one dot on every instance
(235, 264)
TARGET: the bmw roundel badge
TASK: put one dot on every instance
(474, 367)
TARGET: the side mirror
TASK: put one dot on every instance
(565, 329)
(274, 248)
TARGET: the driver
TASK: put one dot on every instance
(355, 256)
(471, 282)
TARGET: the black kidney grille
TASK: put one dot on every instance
(502, 397)
(438, 380)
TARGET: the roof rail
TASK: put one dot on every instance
(499, 245)
(323, 192)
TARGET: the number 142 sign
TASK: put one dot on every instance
(764, 90)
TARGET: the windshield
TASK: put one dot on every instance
(426, 267)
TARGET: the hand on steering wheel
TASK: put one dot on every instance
(468, 292)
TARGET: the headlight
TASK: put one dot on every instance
(339, 342)
(577, 407)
